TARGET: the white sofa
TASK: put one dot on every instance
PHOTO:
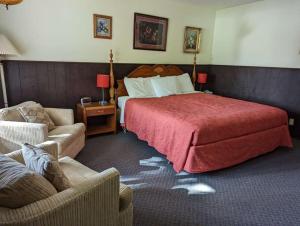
(94, 199)
(70, 137)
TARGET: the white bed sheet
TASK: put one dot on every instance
(121, 104)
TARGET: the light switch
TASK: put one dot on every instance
(291, 121)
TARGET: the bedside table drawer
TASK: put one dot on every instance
(95, 112)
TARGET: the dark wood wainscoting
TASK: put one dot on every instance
(61, 84)
(278, 87)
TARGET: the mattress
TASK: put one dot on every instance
(174, 124)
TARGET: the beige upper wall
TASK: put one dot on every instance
(266, 33)
(55, 30)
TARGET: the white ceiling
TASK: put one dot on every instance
(220, 4)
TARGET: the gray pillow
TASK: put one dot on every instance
(20, 186)
(46, 165)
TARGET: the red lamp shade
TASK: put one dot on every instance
(102, 81)
(202, 78)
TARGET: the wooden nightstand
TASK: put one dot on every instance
(108, 112)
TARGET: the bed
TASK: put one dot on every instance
(200, 132)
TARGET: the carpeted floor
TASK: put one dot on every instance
(263, 191)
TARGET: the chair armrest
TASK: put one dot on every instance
(61, 117)
(7, 146)
(23, 132)
(126, 196)
(93, 202)
(50, 147)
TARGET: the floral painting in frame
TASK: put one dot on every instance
(192, 38)
(102, 26)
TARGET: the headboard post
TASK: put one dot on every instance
(112, 79)
(194, 70)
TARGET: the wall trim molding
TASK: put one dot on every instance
(121, 63)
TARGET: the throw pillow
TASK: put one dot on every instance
(36, 114)
(46, 165)
(12, 113)
(20, 186)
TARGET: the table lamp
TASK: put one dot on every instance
(10, 2)
(6, 49)
(202, 79)
(103, 83)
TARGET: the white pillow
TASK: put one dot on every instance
(139, 87)
(165, 86)
(184, 84)
(134, 87)
(148, 86)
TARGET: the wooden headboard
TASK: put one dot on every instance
(147, 71)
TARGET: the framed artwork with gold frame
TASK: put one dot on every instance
(102, 26)
(192, 38)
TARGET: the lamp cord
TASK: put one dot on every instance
(102, 94)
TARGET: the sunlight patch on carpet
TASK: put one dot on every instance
(125, 179)
(196, 189)
(153, 162)
(138, 186)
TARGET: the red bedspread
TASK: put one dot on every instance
(174, 124)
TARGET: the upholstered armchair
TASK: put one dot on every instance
(94, 199)
(70, 137)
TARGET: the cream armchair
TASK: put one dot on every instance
(95, 199)
(70, 137)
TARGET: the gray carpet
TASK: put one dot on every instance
(263, 191)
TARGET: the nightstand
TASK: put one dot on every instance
(107, 112)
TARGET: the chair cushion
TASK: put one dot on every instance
(36, 114)
(75, 171)
(46, 165)
(66, 135)
(20, 186)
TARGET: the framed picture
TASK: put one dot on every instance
(150, 32)
(102, 26)
(192, 40)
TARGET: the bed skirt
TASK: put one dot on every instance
(226, 153)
